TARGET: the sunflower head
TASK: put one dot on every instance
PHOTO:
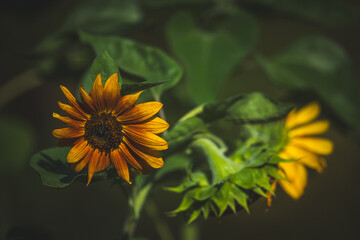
(305, 148)
(105, 128)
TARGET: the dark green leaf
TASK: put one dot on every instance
(53, 168)
(172, 164)
(129, 88)
(104, 65)
(162, 3)
(318, 64)
(210, 57)
(144, 61)
(17, 141)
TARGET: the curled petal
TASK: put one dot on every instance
(297, 179)
(304, 115)
(69, 121)
(72, 111)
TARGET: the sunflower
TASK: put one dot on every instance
(106, 127)
(305, 148)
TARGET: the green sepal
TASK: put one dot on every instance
(244, 179)
(273, 171)
(202, 194)
(262, 179)
(259, 191)
(184, 205)
(239, 196)
(221, 198)
(194, 215)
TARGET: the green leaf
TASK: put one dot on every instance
(210, 57)
(184, 205)
(273, 171)
(172, 164)
(201, 194)
(239, 196)
(53, 168)
(194, 215)
(262, 179)
(163, 3)
(129, 88)
(104, 65)
(221, 198)
(318, 64)
(17, 142)
(138, 59)
(183, 132)
(244, 179)
(327, 12)
(103, 16)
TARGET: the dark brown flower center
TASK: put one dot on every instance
(103, 132)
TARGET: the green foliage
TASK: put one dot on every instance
(210, 57)
(140, 60)
(327, 12)
(17, 142)
(54, 170)
(320, 65)
(162, 3)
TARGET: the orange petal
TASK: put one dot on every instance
(156, 125)
(103, 163)
(140, 112)
(126, 102)
(152, 157)
(297, 179)
(145, 138)
(111, 92)
(317, 145)
(80, 166)
(120, 165)
(71, 111)
(73, 101)
(304, 115)
(78, 151)
(129, 158)
(305, 157)
(97, 94)
(69, 121)
(95, 157)
(68, 132)
(314, 128)
(86, 99)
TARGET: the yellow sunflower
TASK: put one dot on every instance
(304, 147)
(105, 127)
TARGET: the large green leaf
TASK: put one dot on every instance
(162, 3)
(210, 57)
(138, 59)
(320, 65)
(17, 141)
(104, 65)
(327, 12)
(53, 168)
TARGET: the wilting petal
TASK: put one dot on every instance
(120, 165)
(97, 94)
(73, 101)
(314, 128)
(305, 157)
(71, 111)
(82, 164)
(68, 132)
(304, 115)
(69, 121)
(140, 112)
(145, 138)
(126, 102)
(317, 145)
(297, 179)
(86, 99)
(78, 151)
(95, 157)
(152, 157)
(156, 125)
(112, 92)
(103, 163)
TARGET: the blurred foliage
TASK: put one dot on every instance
(210, 57)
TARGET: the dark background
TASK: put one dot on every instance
(329, 208)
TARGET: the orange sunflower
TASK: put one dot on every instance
(105, 127)
(304, 147)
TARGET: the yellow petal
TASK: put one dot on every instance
(145, 138)
(125, 103)
(317, 145)
(111, 92)
(314, 128)
(69, 121)
(73, 101)
(297, 179)
(120, 165)
(140, 112)
(97, 94)
(78, 151)
(305, 157)
(86, 99)
(68, 133)
(152, 157)
(95, 157)
(156, 125)
(129, 158)
(71, 111)
(82, 164)
(304, 115)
